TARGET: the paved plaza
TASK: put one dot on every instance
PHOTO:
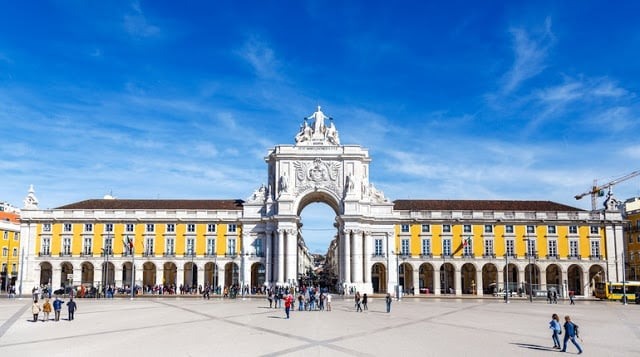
(247, 327)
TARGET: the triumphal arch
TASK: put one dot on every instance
(318, 168)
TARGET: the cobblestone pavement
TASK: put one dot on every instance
(247, 327)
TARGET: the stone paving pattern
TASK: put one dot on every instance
(247, 327)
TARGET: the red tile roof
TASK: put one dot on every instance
(118, 204)
(10, 217)
(480, 205)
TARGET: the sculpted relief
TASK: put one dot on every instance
(317, 174)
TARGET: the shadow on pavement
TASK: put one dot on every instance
(535, 347)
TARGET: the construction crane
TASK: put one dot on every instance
(598, 191)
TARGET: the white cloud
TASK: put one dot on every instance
(137, 24)
(260, 56)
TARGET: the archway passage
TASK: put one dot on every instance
(169, 276)
(596, 275)
(211, 275)
(149, 276)
(190, 279)
(511, 278)
(231, 277)
(66, 276)
(426, 278)
(554, 278)
(447, 278)
(46, 273)
(575, 280)
(490, 279)
(468, 278)
(405, 273)
(87, 274)
(379, 278)
(108, 274)
(532, 279)
(258, 275)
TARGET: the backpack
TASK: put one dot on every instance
(575, 327)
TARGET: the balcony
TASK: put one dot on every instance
(86, 254)
(44, 254)
(378, 256)
(489, 255)
(530, 256)
(231, 255)
(210, 255)
(510, 256)
(596, 257)
(574, 257)
(109, 253)
(426, 255)
(553, 256)
(148, 254)
(468, 256)
(189, 255)
(169, 254)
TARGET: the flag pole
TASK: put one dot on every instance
(133, 267)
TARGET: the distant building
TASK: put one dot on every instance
(9, 245)
(632, 239)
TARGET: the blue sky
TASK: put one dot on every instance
(155, 99)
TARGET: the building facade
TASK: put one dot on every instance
(632, 239)
(9, 245)
(420, 246)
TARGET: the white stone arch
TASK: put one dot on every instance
(319, 195)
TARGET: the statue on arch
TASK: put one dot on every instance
(318, 121)
(331, 133)
(304, 134)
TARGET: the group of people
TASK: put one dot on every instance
(56, 307)
(570, 333)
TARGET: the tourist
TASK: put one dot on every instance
(46, 309)
(570, 333)
(72, 307)
(321, 301)
(328, 302)
(270, 298)
(358, 302)
(57, 306)
(571, 301)
(35, 310)
(288, 301)
(554, 325)
(388, 302)
(364, 301)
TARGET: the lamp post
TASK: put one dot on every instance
(624, 286)
(506, 273)
(531, 253)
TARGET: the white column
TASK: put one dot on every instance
(268, 259)
(356, 261)
(543, 279)
(280, 260)
(179, 276)
(479, 283)
(56, 278)
(436, 281)
(457, 277)
(291, 255)
(347, 256)
(586, 290)
(200, 275)
(416, 280)
(521, 278)
(367, 251)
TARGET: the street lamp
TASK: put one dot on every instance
(531, 253)
(506, 273)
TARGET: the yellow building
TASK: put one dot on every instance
(632, 239)
(9, 245)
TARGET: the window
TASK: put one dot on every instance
(5, 235)
(191, 227)
(87, 246)
(531, 247)
(508, 229)
(551, 229)
(211, 228)
(170, 247)
(466, 228)
(531, 229)
(467, 246)
(14, 268)
(129, 227)
(426, 247)
(211, 246)
(151, 227)
(573, 229)
(378, 248)
(488, 228)
(16, 235)
(108, 227)
(231, 246)
(404, 247)
(446, 247)
(595, 249)
(426, 228)
(488, 247)
(46, 244)
(67, 227)
(259, 250)
(404, 228)
(594, 229)
(108, 246)
(446, 228)
(5, 251)
(232, 228)
(191, 247)
(88, 227)
(46, 227)
(15, 252)
(552, 248)
(573, 248)
(510, 248)
(148, 247)
(171, 228)
(66, 246)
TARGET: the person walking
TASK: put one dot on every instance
(555, 297)
(57, 307)
(570, 333)
(288, 301)
(328, 302)
(358, 302)
(571, 301)
(46, 309)
(388, 302)
(72, 307)
(35, 310)
(364, 301)
(554, 325)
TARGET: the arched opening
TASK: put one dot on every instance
(211, 275)
(127, 274)
(426, 278)
(379, 278)
(87, 274)
(257, 275)
(596, 275)
(490, 279)
(574, 279)
(532, 279)
(46, 273)
(66, 274)
(108, 274)
(447, 272)
(468, 278)
(190, 279)
(169, 276)
(554, 278)
(511, 278)
(405, 273)
(148, 276)
(231, 275)
(318, 230)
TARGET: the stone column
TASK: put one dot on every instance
(222, 276)
(56, 278)
(586, 290)
(543, 279)
(479, 283)
(268, 259)
(457, 278)
(117, 274)
(416, 280)
(520, 278)
(200, 275)
(347, 256)
(436, 281)
(500, 281)
(280, 259)
(356, 261)
(179, 277)
(367, 251)
(291, 256)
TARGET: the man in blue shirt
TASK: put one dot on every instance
(57, 306)
(571, 332)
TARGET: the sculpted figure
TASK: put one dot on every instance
(304, 134)
(284, 182)
(318, 121)
(332, 134)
